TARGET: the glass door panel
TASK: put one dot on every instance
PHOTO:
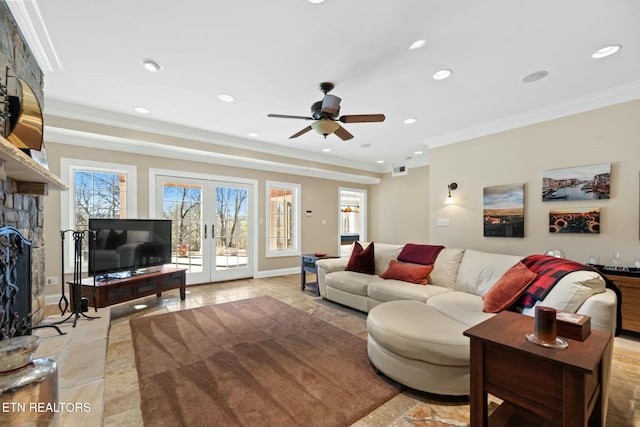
(210, 227)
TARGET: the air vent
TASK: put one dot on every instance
(400, 170)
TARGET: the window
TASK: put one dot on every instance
(96, 190)
(283, 219)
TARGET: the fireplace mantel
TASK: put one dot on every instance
(30, 177)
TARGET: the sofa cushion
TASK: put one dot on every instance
(419, 254)
(384, 254)
(572, 291)
(479, 271)
(393, 290)
(416, 331)
(407, 272)
(350, 281)
(508, 288)
(462, 307)
(445, 269)
(362, 260)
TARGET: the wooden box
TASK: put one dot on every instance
(572, 325)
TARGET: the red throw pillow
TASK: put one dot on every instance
(413, 273)
(419, 254)
(508, 288)
(362, 260)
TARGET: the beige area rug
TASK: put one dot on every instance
(255, 362)
(623, 410)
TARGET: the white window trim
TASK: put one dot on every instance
(68, 167)
(295, 251)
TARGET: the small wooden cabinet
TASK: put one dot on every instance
(630, 289)
(110, 292)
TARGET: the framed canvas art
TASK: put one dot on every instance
(503, 210)
(574, 220)
(577, 183)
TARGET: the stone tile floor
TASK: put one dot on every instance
(97, 364)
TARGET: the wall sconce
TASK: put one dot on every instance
(449, 200)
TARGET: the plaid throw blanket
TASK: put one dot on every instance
(549, 270)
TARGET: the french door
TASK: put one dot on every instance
(211, 226)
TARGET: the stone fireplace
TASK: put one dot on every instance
(19, 206)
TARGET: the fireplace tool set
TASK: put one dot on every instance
(79, 304)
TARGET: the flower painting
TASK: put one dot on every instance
(574, 220)
(503, 210)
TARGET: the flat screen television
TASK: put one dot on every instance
(123, 247)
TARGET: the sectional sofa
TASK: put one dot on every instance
(415, 332)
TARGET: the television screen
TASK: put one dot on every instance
(128, 245)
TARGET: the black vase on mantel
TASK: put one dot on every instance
(28, 387)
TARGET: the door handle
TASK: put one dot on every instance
(205, 231)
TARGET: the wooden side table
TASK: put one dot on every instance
(539, 385)
(309, 266)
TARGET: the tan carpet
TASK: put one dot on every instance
(255, 362)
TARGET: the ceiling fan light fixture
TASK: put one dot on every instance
(325, 127)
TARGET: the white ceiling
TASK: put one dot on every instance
(271, 56)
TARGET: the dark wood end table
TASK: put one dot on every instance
(548, 386)
(309, 266)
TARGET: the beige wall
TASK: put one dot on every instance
(399, 208)
(607, 135)
(318, 195)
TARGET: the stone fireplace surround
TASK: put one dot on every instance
(23, 211)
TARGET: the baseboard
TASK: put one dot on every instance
(278, 272)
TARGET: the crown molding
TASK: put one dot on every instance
(99, 141)
(593, 101)
(29, 20)
(67, 110)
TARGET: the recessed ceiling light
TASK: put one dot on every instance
(417, 153)
(365, 145)
(442, 74)
(534, 77)
(410, 121)
(225, 98)
(253, 134)
(151, 65)
(141, 110)
(326, 150)
(417, 44)
(606, 51)
(316, 1)
(380, 162)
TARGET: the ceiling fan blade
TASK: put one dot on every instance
(285, 116)
(342, 133)
(331, 105)
(303, 131)
(362, 118)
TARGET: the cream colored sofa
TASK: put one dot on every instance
(415, 331)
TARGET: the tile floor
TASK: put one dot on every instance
(97, 364)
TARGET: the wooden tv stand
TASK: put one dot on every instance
(115, 291)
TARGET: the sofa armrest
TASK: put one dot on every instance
(602, 309)
(326, 266)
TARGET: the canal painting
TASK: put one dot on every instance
(574, 220)
(503, 210)
(577, 183)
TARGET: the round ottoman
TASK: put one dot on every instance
(416, 345)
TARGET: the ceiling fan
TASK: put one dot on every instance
(325, 116)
